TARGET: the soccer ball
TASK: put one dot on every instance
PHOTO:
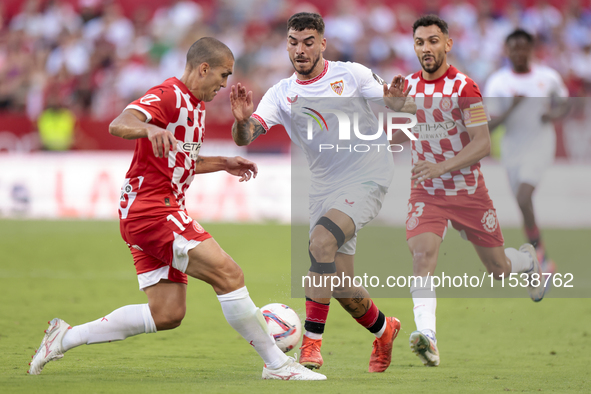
(284, 324)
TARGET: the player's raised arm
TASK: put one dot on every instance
(395, 96)
(245, 129)
(131, 124)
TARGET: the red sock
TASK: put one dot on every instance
(369, 319)
(316, 315)
(533, 235)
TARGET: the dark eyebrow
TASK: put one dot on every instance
(421, 38)
(305, 39)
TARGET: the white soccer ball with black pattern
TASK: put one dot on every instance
(284, 324)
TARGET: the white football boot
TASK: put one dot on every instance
(291, 370)
(535, 292)
(425, 348)
(51, 346)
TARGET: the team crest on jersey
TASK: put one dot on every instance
(293, 99)
(446, 104)
(338, 87)
(489, 221)
(192, 148)
(412, 223)
(197, 227)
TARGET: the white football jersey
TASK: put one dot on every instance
(336, 158)
(525, 121)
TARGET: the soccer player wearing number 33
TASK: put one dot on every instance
(347, 189)
(447, 183)
(166, 244)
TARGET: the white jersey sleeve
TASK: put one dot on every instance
(369, 83)
(268, 112)
(558, 86)
(493, 91)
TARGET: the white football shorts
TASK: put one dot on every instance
(361, 202)
(527, 161)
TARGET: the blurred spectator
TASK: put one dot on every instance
(56, 126)
(98, 55)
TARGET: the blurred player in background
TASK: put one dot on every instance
(347, 189)
(166, 244)
(529, 142)
(453, 136)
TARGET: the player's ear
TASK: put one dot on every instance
(323, 44)
(448, 44)
(203, 69)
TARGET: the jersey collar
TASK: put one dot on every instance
(186, 90)
(309, 81)
(449, 70)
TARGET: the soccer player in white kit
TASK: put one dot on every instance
(347, 189)
(529, 143)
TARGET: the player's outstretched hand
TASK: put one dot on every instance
(245, 169)
(424, 170)
(162, 140)
(395, 95)
(241, 103)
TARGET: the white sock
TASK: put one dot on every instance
(313, 335)
(520, 261)
(425, 304)
(379, 333)
(121, 323)
(248, 320)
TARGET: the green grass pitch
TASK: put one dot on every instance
(81, 271)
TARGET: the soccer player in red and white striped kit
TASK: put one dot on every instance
(447, 184)
(165, 242)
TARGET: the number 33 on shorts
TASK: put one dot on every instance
(412, 219)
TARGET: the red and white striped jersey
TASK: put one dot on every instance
(156, 185)
(445, 108)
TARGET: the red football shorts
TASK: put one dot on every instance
(160, 245)
(473, 216)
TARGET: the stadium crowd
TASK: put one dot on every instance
(94, 58)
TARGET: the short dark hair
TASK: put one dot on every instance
(208, 50)
(429, 20)
(306, 20)
(520, 33)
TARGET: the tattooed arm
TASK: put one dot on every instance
(245, 129)
(245, 132)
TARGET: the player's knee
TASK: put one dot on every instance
(229, 277)
(423, 255)
(169, 317)
(323, 247)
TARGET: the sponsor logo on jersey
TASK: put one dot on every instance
(338, 87)
(293, 99)
(167, 201)
(192, 148)
(437, 130)
(446, 104)
(489, 221)
(412, 223)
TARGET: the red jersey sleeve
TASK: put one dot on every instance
(470, 102)
(158, 104)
